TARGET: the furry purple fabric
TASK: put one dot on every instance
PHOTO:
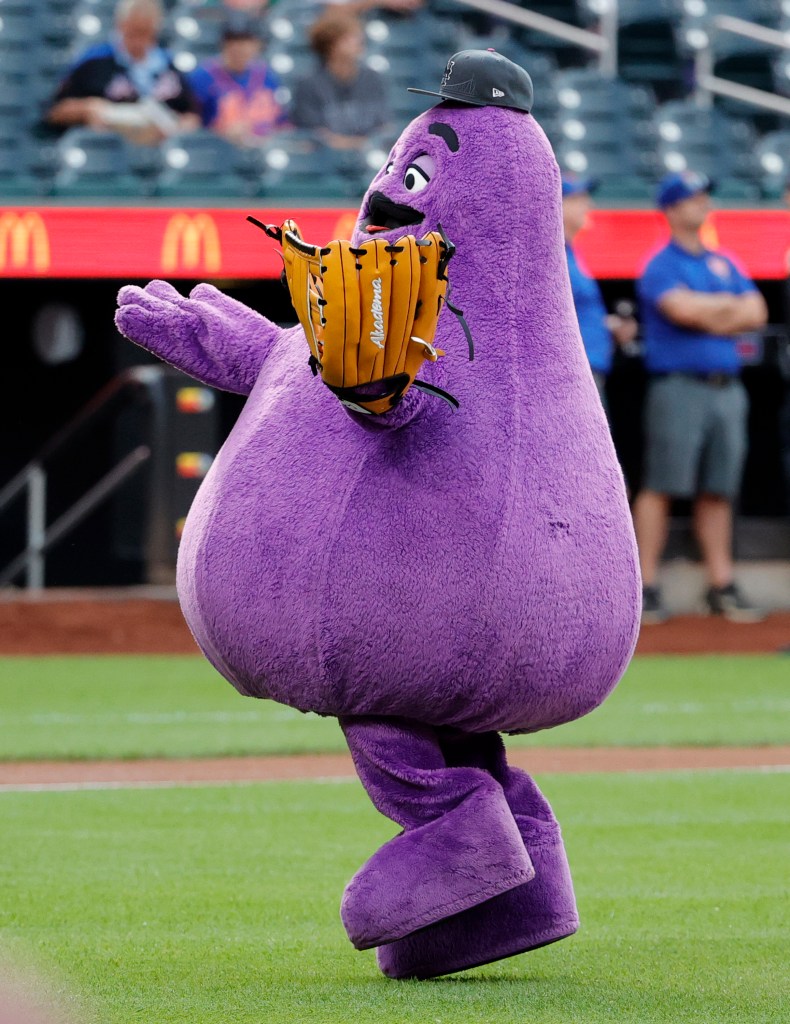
(473, 570)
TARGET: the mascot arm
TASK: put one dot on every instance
(210, 336)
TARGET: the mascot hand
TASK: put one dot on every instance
(208, 335)
(159, 313)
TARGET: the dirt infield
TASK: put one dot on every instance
(113, 623)
(116, 623)
(537, 760)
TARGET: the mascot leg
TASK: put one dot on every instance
(460, 843)
(532, 915)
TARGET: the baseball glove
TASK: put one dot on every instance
(369, 313)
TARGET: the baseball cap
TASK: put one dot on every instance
(484, 78)
(683, 185)
(239, 25)
(573, 185)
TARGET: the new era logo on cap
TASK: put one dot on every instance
(484, 78)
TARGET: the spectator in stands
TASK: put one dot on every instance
(237, 90)
(600, 330)
(342, 100)
(695, 304)
(127, 84)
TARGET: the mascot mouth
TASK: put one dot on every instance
(385, 215)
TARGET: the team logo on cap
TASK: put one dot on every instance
(719, 266)
(448, 71)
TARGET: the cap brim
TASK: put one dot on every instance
(664, 204)
(449, 99)
(586, 186)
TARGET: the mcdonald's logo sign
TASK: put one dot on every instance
(24, 242)
(191, 242)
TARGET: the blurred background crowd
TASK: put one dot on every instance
(281, 78)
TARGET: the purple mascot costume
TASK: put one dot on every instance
(432, 578)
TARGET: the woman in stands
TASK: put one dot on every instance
(343, 101)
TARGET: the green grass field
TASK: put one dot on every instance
(212, 905)
(218, 905)
(132, 707)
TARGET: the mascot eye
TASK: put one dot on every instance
(416, 178)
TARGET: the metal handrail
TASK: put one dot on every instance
(603, 43)
(40, 539)
(751, 30)
(706, 83)
(33, 479)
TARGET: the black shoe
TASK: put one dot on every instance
(653, 611)
(730, 603)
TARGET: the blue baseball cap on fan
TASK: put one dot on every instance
(673, 188)
(573, 185)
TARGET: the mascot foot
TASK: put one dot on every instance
(468, 855)
(533, 915)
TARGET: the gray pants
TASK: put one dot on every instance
(695, 437)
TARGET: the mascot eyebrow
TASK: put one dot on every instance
(444, 131)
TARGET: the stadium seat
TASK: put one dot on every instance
(625, 188)
(736, 58)
(287, 22)
(90, 23)
(17, 103)
(295, 165)
(564, 53)
(405, 106)
(648, 55)
(90, 163)
(588, 92)
(17, 27)
(201, 164)
(687, 120)
(15, 60)
(629, 12)
(290, 62)
(607, 163)
(780, 69)
(398, 35)
(773, 159)
(186, 57)
(705, 139)
(740, 191)
(199, 26)
(17, 178)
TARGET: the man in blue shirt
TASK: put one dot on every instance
(695, 304)
(128, 84)
(600, 330)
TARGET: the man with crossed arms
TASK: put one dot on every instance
(695, 304)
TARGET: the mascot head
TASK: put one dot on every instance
(479, 167)
(477, 163)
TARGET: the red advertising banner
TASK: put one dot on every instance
(172, 242)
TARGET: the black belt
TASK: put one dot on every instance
(716, 380)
